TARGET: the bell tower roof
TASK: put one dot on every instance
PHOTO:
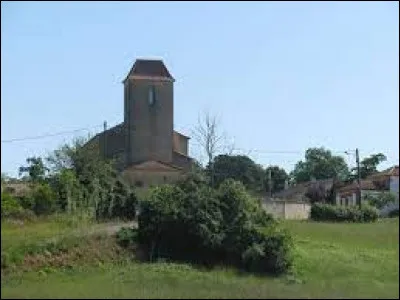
(149, 69)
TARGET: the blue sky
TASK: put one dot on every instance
(282, 76)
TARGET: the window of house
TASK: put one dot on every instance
(165, 179)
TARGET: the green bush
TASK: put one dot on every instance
(11, 209)
(273, 251)
(328, 212)
(126, 237)
(44, 200)
(119, 203)
(393, 213)
(130, 206)
(26, 201)
(192, 222)
(380, 201)
(9, 205)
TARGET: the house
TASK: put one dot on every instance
(376, 184)
(146, 148)
(297, 192)
(292, 203)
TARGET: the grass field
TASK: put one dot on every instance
(332, 261)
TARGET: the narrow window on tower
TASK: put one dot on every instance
(152, 96)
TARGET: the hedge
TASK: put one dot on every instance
(328, 212)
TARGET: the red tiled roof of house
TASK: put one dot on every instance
(393, 171)
(365, 184)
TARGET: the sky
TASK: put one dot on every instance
(281, 76)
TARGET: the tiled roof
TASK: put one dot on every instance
(393, 171)
(149, 68)
(301, 188)
(364, 184)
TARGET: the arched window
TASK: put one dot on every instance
(152, 95)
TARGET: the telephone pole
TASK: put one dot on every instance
(358, 178)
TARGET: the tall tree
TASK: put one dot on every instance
(278, 178)
(319, 163)
(36, 169)
(368, 165)
(237, 167)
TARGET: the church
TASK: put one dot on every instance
(146, 148)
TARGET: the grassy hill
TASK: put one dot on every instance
(332, 261)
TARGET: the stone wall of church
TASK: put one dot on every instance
(150, 127)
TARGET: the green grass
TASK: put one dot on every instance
(332, 261)
(44, 241)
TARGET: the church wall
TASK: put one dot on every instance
(150, 127)
(144, 178)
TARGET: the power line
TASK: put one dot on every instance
(49, 135)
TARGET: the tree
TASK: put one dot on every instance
(93, 176)
(211, 140)
(237, 167)
(316, 192)
(278, 179)
(36, 169)
(368, 165)
(319, 164)
(120, 194)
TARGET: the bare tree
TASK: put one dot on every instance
(209, 137)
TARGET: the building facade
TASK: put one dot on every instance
(145, 146)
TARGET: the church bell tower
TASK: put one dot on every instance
(148, 112)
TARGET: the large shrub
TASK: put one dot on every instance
(328, 212)
(192, 222)
(9, 205)
(394, 213)
(381, 200)
(119, 203)
(44, 199)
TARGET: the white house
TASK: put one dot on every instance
(386, 181)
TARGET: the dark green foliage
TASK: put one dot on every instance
(368, 165)
(278, 179)
(271, 252)
(237, 167)
(119, 196)
(380, 201)
(44, 199)
(120, 203)
(319, 163)
(126, 237)
(26, 201)
(12, 209)
(332, 213)
(9, 205)
(81, 177)
(36, 169)
(131, 203)
(394, 213)
(192, 222)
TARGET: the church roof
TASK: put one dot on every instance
(149, 68)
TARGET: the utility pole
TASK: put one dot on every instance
(358, 178)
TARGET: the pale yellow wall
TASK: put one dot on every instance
(288, 210)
